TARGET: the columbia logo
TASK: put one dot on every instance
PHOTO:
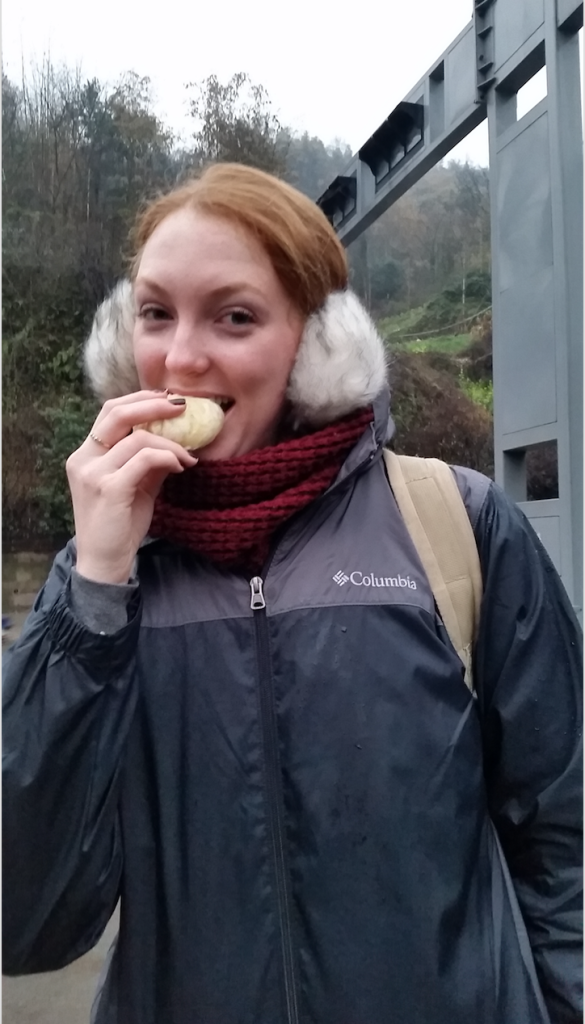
(341, 578)
(360, 579)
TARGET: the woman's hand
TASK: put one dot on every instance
(114, 478)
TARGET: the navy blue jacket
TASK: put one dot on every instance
(307, 816)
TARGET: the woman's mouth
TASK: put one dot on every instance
(224, 403)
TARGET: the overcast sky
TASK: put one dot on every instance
(335, 70)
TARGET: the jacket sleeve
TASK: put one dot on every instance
(68, 701)
(528, 672)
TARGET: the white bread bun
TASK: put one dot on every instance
(199, 423)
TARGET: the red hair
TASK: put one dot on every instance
(303, 248)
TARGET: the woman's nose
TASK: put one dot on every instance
(188, 351)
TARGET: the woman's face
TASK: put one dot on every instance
(213, 320)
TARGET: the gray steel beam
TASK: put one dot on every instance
(449, 99)
(569, 15)
(566, 176)
(536, 212)
(536, 166)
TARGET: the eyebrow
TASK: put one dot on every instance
(147, 282)
(223, 291)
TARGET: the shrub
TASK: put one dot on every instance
(446, 308)
(68, 425)
(542, 472)
(478, 357)
(386, 281)
(434, 418)
(21, 431)
(479, 391)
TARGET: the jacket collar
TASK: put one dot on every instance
(370, 445)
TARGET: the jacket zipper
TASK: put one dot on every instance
(275, 797)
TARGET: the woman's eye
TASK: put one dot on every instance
(239, 317)
(152, 313)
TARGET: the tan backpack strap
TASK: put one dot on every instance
(435, 515)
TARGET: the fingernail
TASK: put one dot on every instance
(178, 401)
(161, 391)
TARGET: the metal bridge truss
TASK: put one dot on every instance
(536, 194)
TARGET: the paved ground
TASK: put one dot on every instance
(61, 997)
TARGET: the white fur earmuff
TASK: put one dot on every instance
(109, 353)
(340, 365)
(341, 362)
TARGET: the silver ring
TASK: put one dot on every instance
(98, 440)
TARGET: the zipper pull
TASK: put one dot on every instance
(257, 593)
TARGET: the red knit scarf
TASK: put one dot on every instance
(228, 510)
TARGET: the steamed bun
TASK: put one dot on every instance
(199, 423)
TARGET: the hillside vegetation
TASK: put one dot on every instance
(80, 156)
(442, 391)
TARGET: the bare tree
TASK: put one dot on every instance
(235, 122)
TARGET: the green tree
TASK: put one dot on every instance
(77, 158)
(387, 281)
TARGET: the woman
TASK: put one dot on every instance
(305, 813)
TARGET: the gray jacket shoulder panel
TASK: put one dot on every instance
(351, 548)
